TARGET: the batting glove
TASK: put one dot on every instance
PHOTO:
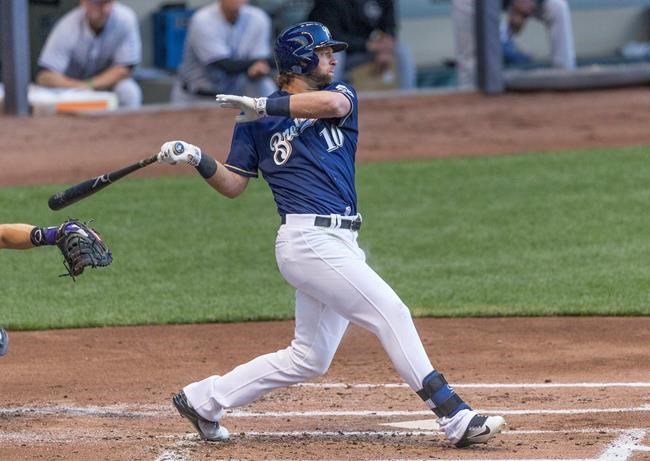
(173, 152)
(252, 108)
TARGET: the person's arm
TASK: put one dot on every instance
(221, 179)
(109, 78)
(518, 13)
(16, 236)
(102, 81)
(50, 78)
(311, 104)
(318, 104)
(241, 66)
(226, 182)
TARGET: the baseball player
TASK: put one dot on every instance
(94, 46)
(227, 50)
(555, 14)
(303, 140)
(80, 249)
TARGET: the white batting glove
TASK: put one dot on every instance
(173, 152)
(252, 108)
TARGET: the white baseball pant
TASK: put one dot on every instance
(334, 286)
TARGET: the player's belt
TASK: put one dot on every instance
(324, 221)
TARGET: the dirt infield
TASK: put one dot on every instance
(570, 388)
(69, 148)
(73, 394)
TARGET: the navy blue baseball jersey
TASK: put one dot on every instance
(308, 163)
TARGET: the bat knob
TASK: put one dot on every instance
(178, 148)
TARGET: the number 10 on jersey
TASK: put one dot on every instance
(333, 137)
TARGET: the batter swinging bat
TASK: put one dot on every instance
(89, 187)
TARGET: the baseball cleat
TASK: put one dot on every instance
(4, 342)
(481, 429)
(208, 430)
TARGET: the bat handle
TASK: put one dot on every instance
(150, 160)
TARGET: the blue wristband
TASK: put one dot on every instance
(278, 106)
(207, 167)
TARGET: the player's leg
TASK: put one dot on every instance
(4, 342)
(129, 93)
(464, 43)
(318, 332)
(556, 15)
(406, 67)
(334, 271)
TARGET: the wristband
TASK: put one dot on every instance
(91, 83)
(207, 167)
(43, 236)
(278, 106)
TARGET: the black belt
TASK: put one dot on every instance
(322, 221)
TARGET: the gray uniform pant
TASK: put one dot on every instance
(129, 94)
(555, 14)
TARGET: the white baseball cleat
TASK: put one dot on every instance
(208, 430)
(481, 429)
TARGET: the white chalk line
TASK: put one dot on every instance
(77, 436)
(478, 385)
(618, 451)
(125, 411)
(621, 449)
(156, 410)
(383, 414)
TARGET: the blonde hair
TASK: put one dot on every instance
(284, 79)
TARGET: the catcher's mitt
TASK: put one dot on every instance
(81, 247)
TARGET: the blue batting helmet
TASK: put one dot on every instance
(295, 47)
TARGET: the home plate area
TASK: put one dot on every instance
(335, 421)
(571, 421)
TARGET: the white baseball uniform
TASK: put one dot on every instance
(309, 165)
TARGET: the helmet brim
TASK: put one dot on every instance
(334, 44)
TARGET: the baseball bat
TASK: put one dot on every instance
(91, 186)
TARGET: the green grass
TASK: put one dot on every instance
(539, 234)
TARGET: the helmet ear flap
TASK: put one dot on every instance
(310, 63)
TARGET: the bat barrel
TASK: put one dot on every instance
(57, 201)
(84, 189)
(77, 192)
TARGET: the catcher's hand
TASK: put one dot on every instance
(252, 108)
(81, 247)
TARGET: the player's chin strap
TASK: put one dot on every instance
(440, 396)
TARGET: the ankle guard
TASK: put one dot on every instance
(440, 396)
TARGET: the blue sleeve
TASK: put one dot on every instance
(346, 90)
(243, 158)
